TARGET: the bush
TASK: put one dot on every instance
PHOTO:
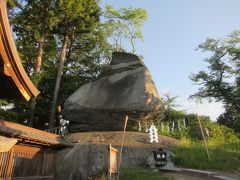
(192, 129)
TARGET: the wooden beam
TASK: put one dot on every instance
(11, 60)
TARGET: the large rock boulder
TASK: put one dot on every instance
(125, 88)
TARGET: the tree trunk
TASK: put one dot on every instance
(38, 64)
(37, 69)
(52, 120)
(32, 110)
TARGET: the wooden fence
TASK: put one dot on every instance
(55, 130)
(25, 161)
(60, 130)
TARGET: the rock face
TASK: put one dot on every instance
(125, 88)
(90, 154)
(81, 162)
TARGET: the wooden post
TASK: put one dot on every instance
(120, 156)
(113, 162)
(204, 139)
(10, 164)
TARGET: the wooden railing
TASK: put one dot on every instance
(55, 130)
(24, 161)
(60, 130)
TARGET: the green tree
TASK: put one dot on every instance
(75, 18)
(230, 118)
(125, 23)
(221, 80)
(169, 101)
(87, 51)
(33, 26)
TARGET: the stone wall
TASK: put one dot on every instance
(83, 161)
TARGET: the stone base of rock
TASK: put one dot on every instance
(82, 162)
(89, 156)
(132, 139)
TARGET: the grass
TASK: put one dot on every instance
(224, 156)
(140, 174)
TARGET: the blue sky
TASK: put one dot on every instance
(171, 34)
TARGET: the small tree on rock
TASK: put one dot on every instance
(125, 23)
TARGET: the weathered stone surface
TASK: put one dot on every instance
(125, 88)
(81, 162)
(89, 156)
(132, 139)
